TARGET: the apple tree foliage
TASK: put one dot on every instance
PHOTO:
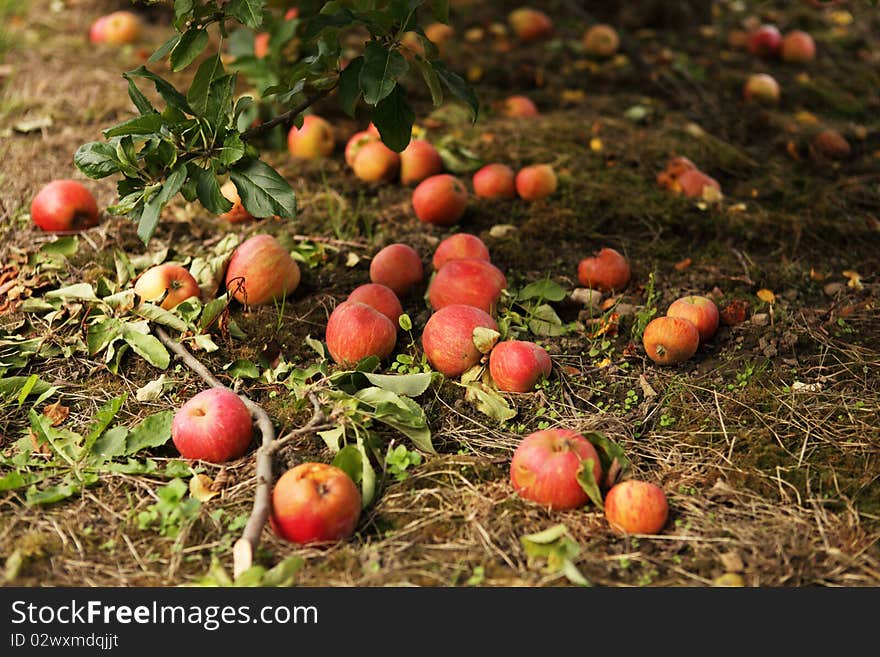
(196, 137)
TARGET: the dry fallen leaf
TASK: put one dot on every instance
(596, 145)
(766, 296)
(729, 579)
(683, 264)
(855, 279)
(56, 413)
(816, 276)
(647, 389)
(200, 487)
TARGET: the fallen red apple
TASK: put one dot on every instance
(116, 28)
(261, 271)
(693, 183)
(670, 340)
(762, 88)
(634, 506)
(700, 311)
(238, 213)
(536, 182)
(468, 281)
(798, 47)
(168, 283)
(764, 41)
(529, 24)
(441, 35)
(419, 160)
(518, 365)
(214, 425)
(458, 246)
(601, 41)
(64, 205)
(314, 140)
(315, 503)
(376, 163)
(495, 181)
(607, 271)
(378, 296)
(448, 338)
(545, 466)
(518, 107)
(440, 200)
(398, 266)
(356, 331)
(356, 142)
(261, 44)
(831, 144)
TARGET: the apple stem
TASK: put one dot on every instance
(245, 547)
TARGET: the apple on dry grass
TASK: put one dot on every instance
(440, 200)
(544, 468)
(518, 107)
(495, 180)
(314, 503)
(798, 47)
(831, 144)
(448, 338)
(530, 24)
(601, 40)
(356, 142)
(168, 283)
(457, 247)
(518, 365)
(314, 140)
(764, 41)
(670, 340)
(468, 281)
(762, 88)
(261, 271)
(116, 28)
(356, 331)
(536, 182)
(694, 184)
(700, 311)
(398, 266)
(214, 425)
(634, 506)
(607, 271)
(376, 163)
(381, 297)
(419, 160)
(64, 205)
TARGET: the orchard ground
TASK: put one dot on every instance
(766, 442)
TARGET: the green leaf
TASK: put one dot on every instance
(368, 475)
(111, 443)
(78, 291)
(207, 72)
(411, 385)
(159, 315)
(613, 457)
(350, 86)
(350, 460)
(587, 481)
(153, 208)
(249, 12)
(12, 481)
(65, 444)
(103, 418)
(96, 159)
(153, 431)
(489, 401)
(233, 149)
(544, 289)
(65, 246)
(163, 50)
(100, 334)
(208, 189)
(13, 386)
(191, 44)
(146, 346)
(242, 369)
(27, 388)
(429, 75)
(140, 125)
(401, 413)
(264, 192)
(333, 438)
(380, 71)
(51, 494)
(459, 88)
(394, 118)
(283, 574)
(212, 311)
(556, 545)
(171, 95)
(440, 10)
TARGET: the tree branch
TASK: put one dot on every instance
(288, 116)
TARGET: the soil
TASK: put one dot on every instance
(766, 442)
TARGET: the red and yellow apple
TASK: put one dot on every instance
(764, 41)
(458, 246)
(448, 338)
(314, 140)
(167, 283)
(607, 270)
(495, 180)
(693, 183)
(356, 142)
(600, 40)
(700, 311)
(468, 281)
(440, 200)
(314, 503)
(64, 205)
(634, 506)
(378, 296)
(419, 160)
(116, 28)
(399, 267)
(518, 365)
(545, 466)
(356, 331)
(518, 107)
(536, 182)
(670, 340)
(376, 163)
(798, 47)
(529, 24)
(214, 425)
(831, 144)
(761, 87)
(261, 271)
(238, 213)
